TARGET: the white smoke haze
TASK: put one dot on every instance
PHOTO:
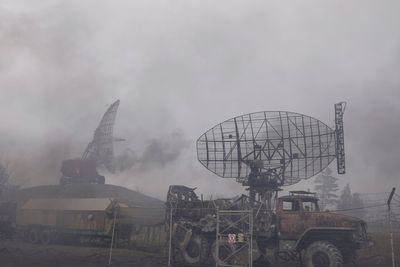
(184, 66)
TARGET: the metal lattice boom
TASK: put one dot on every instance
(100, 149)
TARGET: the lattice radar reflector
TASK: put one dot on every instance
(294, 145)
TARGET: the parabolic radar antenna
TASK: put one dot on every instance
(100, 151)
(101, 148)
(269, 149)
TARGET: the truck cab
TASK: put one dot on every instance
(326, 238)
(294, 213)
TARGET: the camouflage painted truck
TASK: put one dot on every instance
(295, 230)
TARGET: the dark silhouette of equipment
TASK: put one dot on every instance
(100, 151)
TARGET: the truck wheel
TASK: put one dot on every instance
(223, 252)
(33, 236)
(63, 181)
(197, 250)
(323, 254)
(45, 237)
(25, 234)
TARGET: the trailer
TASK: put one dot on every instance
(44, 220)
(7, 219)
(90, 220)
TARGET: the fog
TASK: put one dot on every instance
(181, 67)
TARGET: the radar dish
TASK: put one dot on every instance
(284, 147)
(101, 148)
(100, 151)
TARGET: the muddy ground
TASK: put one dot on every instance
(21, 254)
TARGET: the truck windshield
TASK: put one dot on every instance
(290, 205)
(309, 206)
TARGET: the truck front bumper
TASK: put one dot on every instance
(365, 244)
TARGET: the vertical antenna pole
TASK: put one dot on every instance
(251, 238)
(112, 236)
(217, 240)
(391, 227)
(170, 236)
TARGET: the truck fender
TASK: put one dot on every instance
(321, 233)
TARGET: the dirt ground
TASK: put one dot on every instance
(21, 254)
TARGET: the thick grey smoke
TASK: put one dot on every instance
(190, 65)
(157, 154)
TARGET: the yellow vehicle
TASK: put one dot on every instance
(45, 220)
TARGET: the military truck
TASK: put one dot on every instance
(294, 229)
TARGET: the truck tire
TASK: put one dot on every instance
(33, 236)
(45, 237)
(25, 234)
(64, 181)
(197, 251)
(223, 252)
(323, 254)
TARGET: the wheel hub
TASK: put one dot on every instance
(320, 259)
(193, 250)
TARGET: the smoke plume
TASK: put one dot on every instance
(157, 154)
(190, 65)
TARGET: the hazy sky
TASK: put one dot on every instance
(180, 67)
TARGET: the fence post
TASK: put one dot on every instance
(390, 224)
(113, 233)
(170, 236)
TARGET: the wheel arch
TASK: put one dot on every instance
(335, 235)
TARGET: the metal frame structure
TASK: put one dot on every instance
(295, 145)
(340, 155)
(269, 149)
(236, 224)
(101, 148)
(100, 151)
